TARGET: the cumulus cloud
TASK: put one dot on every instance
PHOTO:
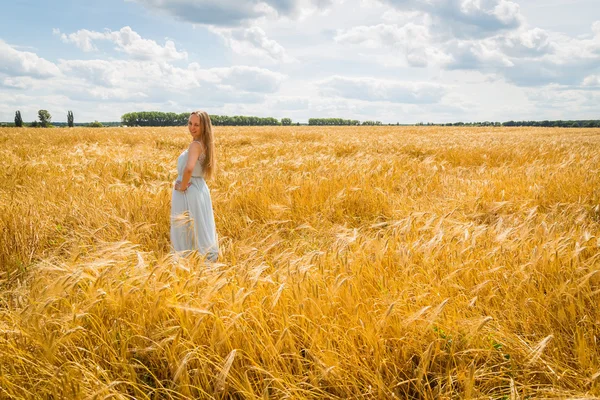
(472, 54)
(229, 12)
(467, 18)
(18, 82)
(531, 72)
(561, 101)
(141, 75)
(592, 80)
(289, 103)
(531, 57)
(412, 40)
(408, 36)
(118, 85)
(127, 41)
(249, 79)
(526, 43)
(421, 48)
(24, 63)
(524, 56)
(82, 38)
(372, 89)
(566, 62)
(252, 41)
(596, 28)
(30, 104)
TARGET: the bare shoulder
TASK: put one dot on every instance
(196, 146)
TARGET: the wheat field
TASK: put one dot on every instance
(356, 262)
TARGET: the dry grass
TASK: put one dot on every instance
(376, 262)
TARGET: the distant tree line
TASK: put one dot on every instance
(546, 123)
(44, 121)
(332, 121)
(154, 118)
(559, 123)
(241, 120)
(94, 124)
(158, 118)
(340, 122)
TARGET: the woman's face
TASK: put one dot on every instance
(194, 124)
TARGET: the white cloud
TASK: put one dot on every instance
(592, 80)
(413, 41)
(372, 89)
(526, 43)
(566, 62)
(524, 56)
(19, 82)
(23, 63)
(29, 105)
(475, 54)
(252, 41)
(82, 38)
(384, 35)
(385, 111)
(102, 72)
(289, 103)
(467, 18)
(114, 87)
(421, 48)
(128, 41)
(560, 101)
(396, 16)
(250, 79)
(596, 28)
(230, 12)
(127, 80)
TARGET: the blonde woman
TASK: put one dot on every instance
(192, 219)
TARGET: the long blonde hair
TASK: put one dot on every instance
(210, 162)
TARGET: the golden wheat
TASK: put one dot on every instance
(379, 262)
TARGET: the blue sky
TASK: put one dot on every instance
(401, 61)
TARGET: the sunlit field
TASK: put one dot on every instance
(356, 262)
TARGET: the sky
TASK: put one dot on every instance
(405, 61)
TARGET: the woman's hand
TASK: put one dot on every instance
(179, 188)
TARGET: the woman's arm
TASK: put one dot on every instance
(194, 153)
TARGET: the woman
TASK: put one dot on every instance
(192, 219)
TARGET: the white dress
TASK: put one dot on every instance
(192, 219)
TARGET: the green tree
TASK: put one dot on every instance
(95, 124)
(44, 117)
(286, 121)
(70, 118)
(18, 119)
(127, 119)
(332, 121)
(158, 118)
